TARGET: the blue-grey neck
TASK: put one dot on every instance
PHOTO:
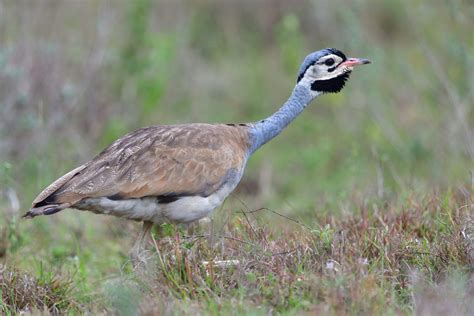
(263, 131)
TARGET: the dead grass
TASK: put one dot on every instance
(407, 257)
(362, 263)
(22, 293)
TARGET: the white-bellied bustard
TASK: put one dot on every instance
(181, 173)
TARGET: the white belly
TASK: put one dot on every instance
(183, 210)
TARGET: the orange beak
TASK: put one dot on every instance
(351, 62)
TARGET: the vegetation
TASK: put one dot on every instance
(363, 206)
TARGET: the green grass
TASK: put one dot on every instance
(387, 257)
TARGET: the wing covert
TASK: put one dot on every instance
(191, 159)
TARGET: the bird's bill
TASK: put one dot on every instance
(351, 62)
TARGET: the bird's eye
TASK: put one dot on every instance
(329, 62)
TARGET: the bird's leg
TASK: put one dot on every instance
(139, 245)
(202, 225)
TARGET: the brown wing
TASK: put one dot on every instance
(191, 159)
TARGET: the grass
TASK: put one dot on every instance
(391, 257)
(21, 292)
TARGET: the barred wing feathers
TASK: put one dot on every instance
(167, 160)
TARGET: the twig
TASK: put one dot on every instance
(240, 240)
(285, 252)
(279, 214)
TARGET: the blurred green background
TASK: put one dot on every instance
(76, 75)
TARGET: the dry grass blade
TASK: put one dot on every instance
(24, 293)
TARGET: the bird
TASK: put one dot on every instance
(181, 173)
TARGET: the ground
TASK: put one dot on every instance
(396, 257)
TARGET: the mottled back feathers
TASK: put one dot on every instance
(163, 161)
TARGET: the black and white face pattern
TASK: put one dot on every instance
(325, 71)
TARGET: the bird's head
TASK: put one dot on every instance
(327, 70)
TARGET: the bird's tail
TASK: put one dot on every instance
(44, 210)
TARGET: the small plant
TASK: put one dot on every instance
(21, 292)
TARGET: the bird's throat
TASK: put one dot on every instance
(332, 85)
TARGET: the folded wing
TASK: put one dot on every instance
(162, 161)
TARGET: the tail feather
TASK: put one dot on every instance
(43, 210)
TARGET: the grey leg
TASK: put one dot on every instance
(139, 245)
(202, 225)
